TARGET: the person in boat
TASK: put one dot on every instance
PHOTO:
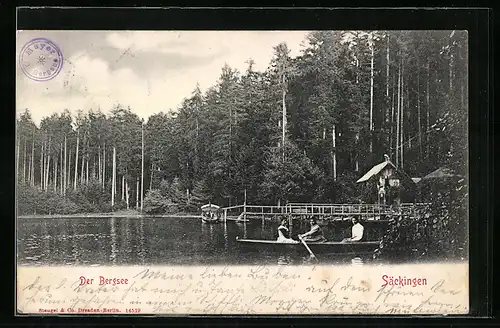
(284, 233)
(356, 232)
(315, 234)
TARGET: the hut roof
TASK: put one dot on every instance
(208, 207)
(375, 170)
(441, 173)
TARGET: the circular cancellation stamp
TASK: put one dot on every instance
(41, 59)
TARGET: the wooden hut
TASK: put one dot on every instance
(392, 184)
(436, 181)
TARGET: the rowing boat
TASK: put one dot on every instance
(354, 248)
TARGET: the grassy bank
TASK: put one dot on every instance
(122, 213)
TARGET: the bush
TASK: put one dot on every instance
(156, 203)
(31, 200)
(439, 231)
(85, 199)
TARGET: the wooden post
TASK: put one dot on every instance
(290, 224)
(245, 206)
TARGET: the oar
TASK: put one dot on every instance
(308, 249)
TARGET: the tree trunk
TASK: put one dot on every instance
(123, 187)
(462, 96)
(17, 158)
(24, 162)
(392, 112)
(55, 175)
(113, 182)
(65, 178)
(334, 154)
(76, 158)
(127, 194)
(100, 165)
(230, 134)
(402, 115)
(48, 165)
(451, 70)
(142, 167)
(371, 99)
(42, 160)
(137, 194)
(29, 172)
(151, 178)
(419, 114)
(397, 116)
(32, 168)
(356, 168)
(84, 149)
(104, 166)
(61, 169)
(357, 72)
(68, 179)
(428, 107)
(87, 177)
(283, 101)
(387, 69)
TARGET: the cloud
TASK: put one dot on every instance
(149, 71)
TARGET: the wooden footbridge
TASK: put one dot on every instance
(322, 211)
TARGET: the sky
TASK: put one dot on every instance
(150, 71)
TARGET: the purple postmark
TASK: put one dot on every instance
(41, 59)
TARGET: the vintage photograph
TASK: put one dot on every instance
(242, 172)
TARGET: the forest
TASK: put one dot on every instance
(303, 130)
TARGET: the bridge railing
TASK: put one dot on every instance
(336, 210)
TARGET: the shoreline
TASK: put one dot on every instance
(105, 216)
(119, 215)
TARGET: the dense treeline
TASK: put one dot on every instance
(303, 130)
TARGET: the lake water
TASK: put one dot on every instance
(158, 241)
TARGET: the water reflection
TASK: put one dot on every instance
(357, 261)
(142, 250)
(226, 237)
(285, 260)
(74, 244)
(162, 241)
(114, 248)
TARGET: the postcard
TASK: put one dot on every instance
(242, 172)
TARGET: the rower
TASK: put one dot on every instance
(315, 234)
(357, 231)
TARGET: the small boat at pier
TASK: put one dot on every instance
(210, 213)
(328, 247)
